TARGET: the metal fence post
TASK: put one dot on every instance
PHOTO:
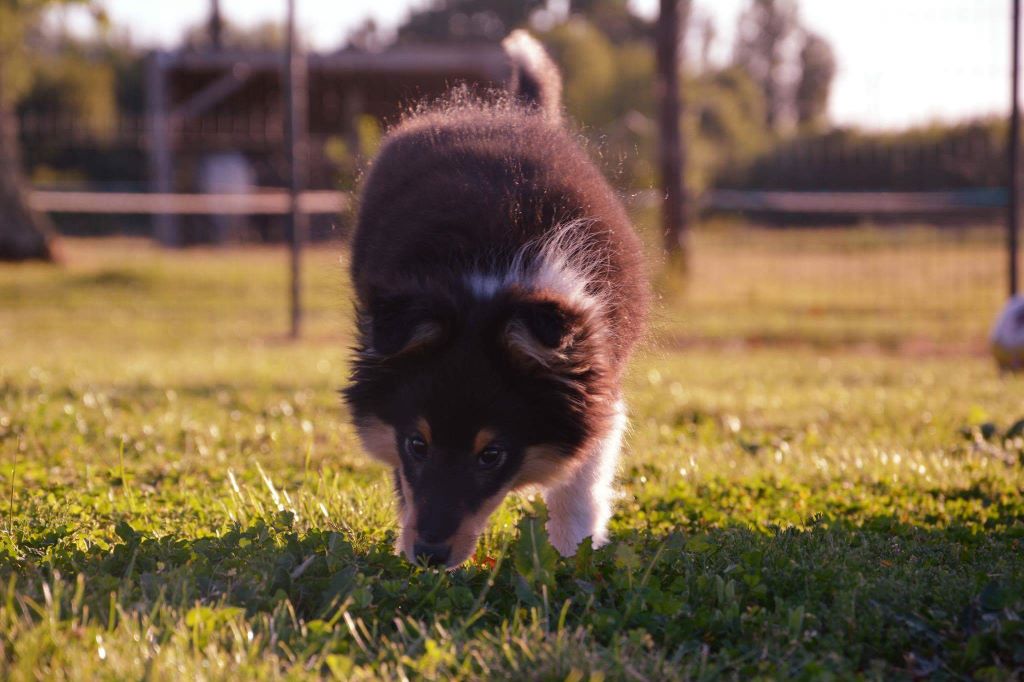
(1014, 152)
(675, 209)
(295, 80)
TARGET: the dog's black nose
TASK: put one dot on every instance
(435, 554)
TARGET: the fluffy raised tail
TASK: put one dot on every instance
(535, 81)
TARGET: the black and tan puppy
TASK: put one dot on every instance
(500, 290)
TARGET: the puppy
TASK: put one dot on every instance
(500, 290)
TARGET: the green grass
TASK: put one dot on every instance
(182, 496)
(898, 288)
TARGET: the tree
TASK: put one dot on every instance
(727, 124)
(766, 30)
(793, 67)
(24, 233)
(54, 75)
(817, 69)
(705, 33)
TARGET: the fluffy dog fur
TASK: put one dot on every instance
(500, 291)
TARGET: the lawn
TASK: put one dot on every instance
(823, 479)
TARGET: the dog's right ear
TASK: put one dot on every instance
(547, 334)
(401, 324)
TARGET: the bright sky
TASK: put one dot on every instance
(901, 62)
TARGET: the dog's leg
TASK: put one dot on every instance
(581, 507)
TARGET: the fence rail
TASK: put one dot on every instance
(857, 203)
(276, 202)
(272, 202)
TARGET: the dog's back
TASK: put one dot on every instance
(473, 188)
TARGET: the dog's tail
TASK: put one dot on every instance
(535, 81)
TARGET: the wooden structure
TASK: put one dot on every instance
(203, 102)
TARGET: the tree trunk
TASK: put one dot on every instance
(676, 209)
(24, 233)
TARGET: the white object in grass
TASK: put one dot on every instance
(1008, 336)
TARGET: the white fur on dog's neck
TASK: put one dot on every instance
(563, 262)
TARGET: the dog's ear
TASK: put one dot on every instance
(546, 333)
(402, 324)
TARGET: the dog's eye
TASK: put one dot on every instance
(416, 447)
(491, 457)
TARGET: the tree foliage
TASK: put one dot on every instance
(727, 125)
(19, 30)
(792, 66)
(764, 35)
(68, 82)
(817, 69)
(589, 69)
(930, 158)
(609, 92)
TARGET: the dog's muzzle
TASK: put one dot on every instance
(434, 554)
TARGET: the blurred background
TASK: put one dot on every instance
(804, 172)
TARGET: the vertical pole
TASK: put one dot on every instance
(352, 109)
(216, 25)
(1014, 208)
(670, 110)
(295, 139)
(158, 139)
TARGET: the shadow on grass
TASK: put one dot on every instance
(880, 594)
(120, 278)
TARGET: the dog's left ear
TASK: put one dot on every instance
(546, 333)
(402, 324)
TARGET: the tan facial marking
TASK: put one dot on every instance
(482, 440)
(378, 440)
(465, 538)
(424, 428)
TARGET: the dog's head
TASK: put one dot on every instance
(472, 394)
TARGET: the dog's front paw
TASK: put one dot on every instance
(566, 537)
